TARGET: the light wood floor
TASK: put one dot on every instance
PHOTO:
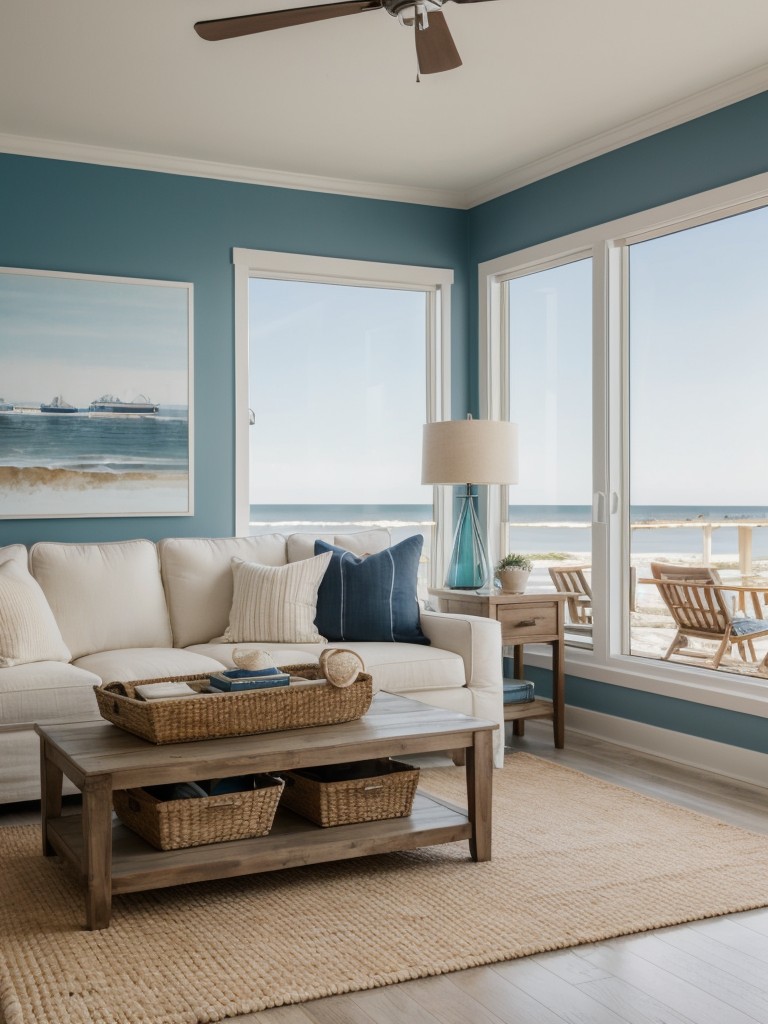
(708, 972)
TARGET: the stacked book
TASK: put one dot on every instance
(237, 679)
(518, 692)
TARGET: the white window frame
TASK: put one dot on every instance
(607, 244)
(436, 282)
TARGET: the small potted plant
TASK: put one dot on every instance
(512, 572)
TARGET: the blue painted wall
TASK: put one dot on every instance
(57, 215)
(722, 147)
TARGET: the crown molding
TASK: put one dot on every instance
(52, 149)
(704, 102)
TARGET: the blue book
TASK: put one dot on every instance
(518, 692)
(241, 679)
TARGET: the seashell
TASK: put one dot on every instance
(340, 666)
(253, 659)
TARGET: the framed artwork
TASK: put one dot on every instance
(95, 396)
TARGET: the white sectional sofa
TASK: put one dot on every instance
(139, 610)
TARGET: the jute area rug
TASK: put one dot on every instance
(574, 860)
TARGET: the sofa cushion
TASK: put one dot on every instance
(47, 691)
(276, 603)
(282, 654)
(399, 668)
(147, 663)
(104, 596)
(363, 542)
(371, 598)
(197, 575)
(28, 630)
(409, 668)
(15, 553)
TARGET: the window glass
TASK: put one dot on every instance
(337, 378)
(698, 363)
(550, 398)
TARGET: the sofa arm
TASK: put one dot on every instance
(477, 641)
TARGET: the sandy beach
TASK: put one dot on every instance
(42, 491)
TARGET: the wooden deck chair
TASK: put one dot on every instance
(704, 574)
(700, 611)
(572, 581)
(691, 573)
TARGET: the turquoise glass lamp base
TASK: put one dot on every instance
(468, 568)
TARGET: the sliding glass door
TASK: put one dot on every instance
(633, 356)
(698, 365)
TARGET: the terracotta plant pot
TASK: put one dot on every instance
(514, 581)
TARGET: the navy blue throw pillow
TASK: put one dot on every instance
(371, 598)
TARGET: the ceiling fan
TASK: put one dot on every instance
(435, 48)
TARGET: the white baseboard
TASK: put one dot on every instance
(709, 755)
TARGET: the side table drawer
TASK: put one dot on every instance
(529, 622)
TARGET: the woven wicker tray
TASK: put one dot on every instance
(233, 714)
(177, 824)
(387, 791)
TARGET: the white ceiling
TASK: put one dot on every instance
(336, 104)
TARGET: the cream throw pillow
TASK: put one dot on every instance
(28, 630)
(276, 604)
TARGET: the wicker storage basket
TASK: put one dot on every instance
(175, 824)
(386, 791)
(233, 714)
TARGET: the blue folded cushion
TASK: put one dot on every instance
(745, 627)
(371, 598)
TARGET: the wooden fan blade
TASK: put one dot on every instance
(435, 48)
(247, 24)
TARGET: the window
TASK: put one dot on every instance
(697, 313)
(549, 345)
(665, 397)
(340, 364)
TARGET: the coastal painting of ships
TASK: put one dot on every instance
(110, 405)
(68, 445)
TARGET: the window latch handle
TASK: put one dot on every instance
(598, 507)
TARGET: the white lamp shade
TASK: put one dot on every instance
(469, 452)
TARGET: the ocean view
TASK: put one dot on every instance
(81, 443)
(564, 528)
(91, 465)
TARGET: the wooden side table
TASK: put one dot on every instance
(525, 619)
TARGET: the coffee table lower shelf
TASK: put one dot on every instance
(293, 841)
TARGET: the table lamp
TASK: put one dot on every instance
(469, 452)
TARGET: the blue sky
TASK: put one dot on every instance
(82, 337)
(354, 358)
(698, 318)
(699, 364)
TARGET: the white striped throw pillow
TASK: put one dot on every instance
(28, 630)
(276, 603)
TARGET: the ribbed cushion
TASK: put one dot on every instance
(276, 604)
(15, 553)
(28, 630)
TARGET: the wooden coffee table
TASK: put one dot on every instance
(99, 758)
